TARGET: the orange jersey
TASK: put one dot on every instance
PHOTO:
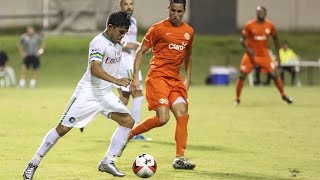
(169, 45)
(257, 35)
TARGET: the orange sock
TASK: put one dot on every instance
(239, 87)
(145, 126)
(278, 83)
(181, 134)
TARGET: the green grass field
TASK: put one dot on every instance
(263, 138)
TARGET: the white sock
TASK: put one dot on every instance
(22, 83)
(33, 83)
(118, 141)
(136, 108)
(47, 143)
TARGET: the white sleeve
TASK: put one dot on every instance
(96, 51)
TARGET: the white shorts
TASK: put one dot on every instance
(126, 70)
(82, 109)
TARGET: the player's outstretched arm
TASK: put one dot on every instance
(97, 71)
(141, 51)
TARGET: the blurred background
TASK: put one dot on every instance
(264, 138)
(207, 16)
(217, 25)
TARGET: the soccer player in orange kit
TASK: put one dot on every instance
(171, 43)
(254, 39)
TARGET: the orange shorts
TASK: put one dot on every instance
(264, 62)
(163, 92)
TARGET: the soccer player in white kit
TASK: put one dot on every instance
(94, 95)
(130, 45)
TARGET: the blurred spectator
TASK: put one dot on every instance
(7, 75)
(30, 47)
(290, 63)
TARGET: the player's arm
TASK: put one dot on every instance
(243, 42)
(188, 68)
(141, 51)
(41, 47)
(277, 47)
(131, 45)
(97, 71)
(20, 49)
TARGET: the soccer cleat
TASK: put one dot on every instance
(287, 99)
(111, 169)
(29, 171)
(81, 129)
(183, 163)
(236, 102)
(140, 137)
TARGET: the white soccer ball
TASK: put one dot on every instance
(144, 165)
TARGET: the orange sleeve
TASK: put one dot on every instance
(273, 30)
(189, 47)
(246, 30)
(151, 37)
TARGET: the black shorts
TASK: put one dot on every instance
(32, 61)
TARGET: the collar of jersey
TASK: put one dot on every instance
(107, 37)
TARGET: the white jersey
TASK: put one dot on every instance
(127, 61)
(109, 53)
(131, 36)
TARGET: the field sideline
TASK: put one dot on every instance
(263, 138)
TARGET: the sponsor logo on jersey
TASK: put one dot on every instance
(163, 101)
(110, 60)
(178, 47)
(260, 38)
(187, 36)
(267, 30)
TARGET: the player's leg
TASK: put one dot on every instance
(124, 95)
(23, 73)
(293, 75)
(181, 135)
(35, 66)
(157, 97)
(76, 111)
(270, 68)
(239, 86)
(281, 72)
(47, 143)
(119, 113)
(161, 118)
(136, 111)
(136, 106)
(117, 144)
(246, 67)
(179, 107)
(257, 75)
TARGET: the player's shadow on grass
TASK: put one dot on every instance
(197, 147)
(224, 175)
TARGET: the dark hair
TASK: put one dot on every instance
(179, 2)
(119, 19)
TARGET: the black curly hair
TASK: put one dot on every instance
(119, 19)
